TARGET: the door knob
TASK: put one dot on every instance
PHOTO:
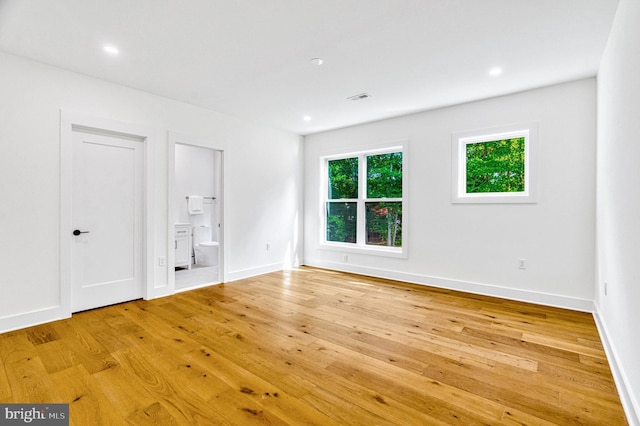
(78, 232)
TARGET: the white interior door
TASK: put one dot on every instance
(107, 220)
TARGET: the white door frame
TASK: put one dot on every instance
(179, 138)
(69, 121)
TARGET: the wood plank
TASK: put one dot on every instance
(27, 377)
(57, 356)
(127, 396)
(154, 414)
(181, 402)
(87, 404)
(80, 339)
(5, 388)
(563, 344)
(42, 334)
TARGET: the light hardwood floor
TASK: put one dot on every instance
(312, 346)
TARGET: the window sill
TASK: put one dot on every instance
(382, 251)
(495, 198)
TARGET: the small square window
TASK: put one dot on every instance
(495, 165)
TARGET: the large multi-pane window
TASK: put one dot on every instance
(364, 200)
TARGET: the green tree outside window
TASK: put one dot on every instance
(384, 218)
(382, 203)
(343, 179)
(496, 166)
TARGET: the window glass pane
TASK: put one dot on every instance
(341, 222)
(384, 175)
(343, 178)
(495, 166)
(384, 224)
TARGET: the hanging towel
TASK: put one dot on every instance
(194, 204)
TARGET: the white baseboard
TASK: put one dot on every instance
(545, 299)
(29, 319)
(252, 272)
(195, 287)
(630, 402)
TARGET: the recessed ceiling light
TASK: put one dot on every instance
(110, 49)
(306, 118)
(317, 61)
(495, 71)
(359, 96)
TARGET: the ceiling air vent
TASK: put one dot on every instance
(359, 97)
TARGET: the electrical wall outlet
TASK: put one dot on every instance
(162, 261)
(522, 263)
(268, 246)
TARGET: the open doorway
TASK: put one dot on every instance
(197, 216)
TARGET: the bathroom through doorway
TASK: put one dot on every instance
(197, 216)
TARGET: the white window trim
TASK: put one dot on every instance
(361, 247)
(459, 142)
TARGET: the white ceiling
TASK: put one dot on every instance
(251, 58)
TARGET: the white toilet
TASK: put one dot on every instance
(205, 250)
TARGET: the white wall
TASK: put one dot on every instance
(618, 201)
(263, 170)
(476, 247)
(196, 174)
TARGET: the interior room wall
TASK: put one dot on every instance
(196, 174)
(263, 198)
(476, 247)
(618, 201)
